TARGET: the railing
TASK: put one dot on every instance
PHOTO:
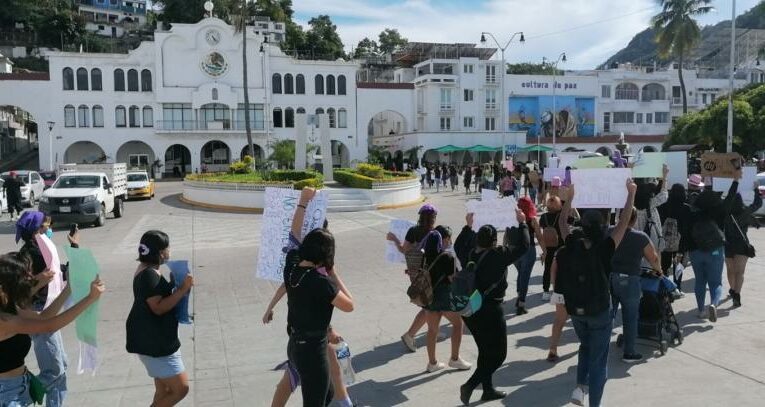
(223, 125)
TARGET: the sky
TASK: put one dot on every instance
(588, 31)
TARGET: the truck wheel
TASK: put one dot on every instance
(119, 207)
(101, 217)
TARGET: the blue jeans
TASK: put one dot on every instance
(524, 265)
(51, 358)
(14, 391)
(625, 289)
(594, 334)
(708, 267)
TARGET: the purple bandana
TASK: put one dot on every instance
(29, 222)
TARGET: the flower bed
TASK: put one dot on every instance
(368, 176)
(298, 179)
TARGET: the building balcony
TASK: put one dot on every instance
(208, 126)
(445, 79)
(491, 111)
(492, 81)
(446, 111)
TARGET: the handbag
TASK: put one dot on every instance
(749, 250)
(36, 389)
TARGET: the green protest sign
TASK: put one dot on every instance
(83, 269)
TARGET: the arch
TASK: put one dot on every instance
(146, 85)
(84, 152)
(148, 116)
(653, 91)
(627, 91)
(132, 80)
(119, 80)
(341, 85)
(341, 156)
(276, 83)
(96, 80)
(384, 124)
(330, 84)
(318, 84)
(98, 116)
(605, 151)
(300, 110)
(120, 116)
(258, 152)
(83, 116)
(289, 118)
(216, 155)
(134, 119)
(177, 160)
(70, 117)
(136, 154)
(319, 110)
(332, 118)
(214, 116)
(82, 79)
(300, 84)
(67, 77)
(289, 85)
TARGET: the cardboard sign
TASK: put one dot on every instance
(499, 213)
(745, 184)
(720, 165)
(600, 188)
(398, 227)
(649, 165)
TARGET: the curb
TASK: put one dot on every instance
(403, 205)
(220, 207)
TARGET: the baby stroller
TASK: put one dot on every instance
(656, 320)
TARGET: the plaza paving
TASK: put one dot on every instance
(229, 353)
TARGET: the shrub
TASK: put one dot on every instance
(351, 179)
(240, 167)
(370, 170)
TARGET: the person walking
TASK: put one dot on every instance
(467, 179)
(12, 189)
(648, 198)
(738, 249)
(429, 176)
(488, 324)
(453, 178)
(675, 215)
(551, 240)
(444, 174)
(526, 263)
(437, 177)
(478, 176)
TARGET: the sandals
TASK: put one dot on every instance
(552, 357)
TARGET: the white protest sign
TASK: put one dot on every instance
(52, 261)
(600, 187)
(499, 213)
(677, 161)
(554, 172)
(567, 159)
(280, 205)
(488, 194)
(745, 184)
(398, 227)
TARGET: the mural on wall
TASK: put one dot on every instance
(534, 115)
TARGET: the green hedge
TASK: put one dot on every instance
(298, 179)
(353, 179)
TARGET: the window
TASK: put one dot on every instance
(257, 118)
(342, 118)
(639, 118)
(661, 117)
(318, 82)
(119, 116)
(68, 78)
(491, 98)
(627, 91)
(712, 97)
(70, 120)
(446, 99)
(677, 92)
(132, 79)
(137, 161)
(319, 111)
(467, 68)
(289, 85)
(82, 79)
(330, 85)
(490, 124)
(300, 110)
(332, 118)
(289, 117)
(133, 116)
(98, 116)
(216, 114)
(491, 73)
(148, 116)
(607, 122)
(446, 123)
(146, 80)
(214, 94)
(276, 83)
(704, 98)
(95, 79)
(215, 152)
(467, 122)
(649, 118)
(468, 95)
(624, 117)
(277, 117)
(119, 80)
(653, 91)
(177, 116)
(341, 84)
(605, 91)
(300, 84)
(83, 116)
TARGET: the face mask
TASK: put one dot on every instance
(49, 233)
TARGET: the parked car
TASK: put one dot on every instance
(3, 201)
(33, 186)
(139, 185)
(761, 188)
(49, 177)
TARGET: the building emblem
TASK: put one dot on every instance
(212, 37)
(214, 64)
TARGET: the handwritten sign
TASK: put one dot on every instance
(567, 159)
(398, 227)
(649, 165)
(745, 184)
(52, 261)
(720, 165)
(499, 213)
(280, 205)
(600, 188)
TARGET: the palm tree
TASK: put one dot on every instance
(241, 26)
(677, 32)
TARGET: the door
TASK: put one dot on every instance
(138, 161)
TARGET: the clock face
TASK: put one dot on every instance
(214, 64)
(213, 37)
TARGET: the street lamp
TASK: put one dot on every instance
(561, 58)
(522, 39)
(50, 144)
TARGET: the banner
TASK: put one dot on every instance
(179, 269)
(280, 205)
(398, 227)
(53, 263)
(499, 213)
(83, 269)
(600, 188)
(649, 165)
(720, 165)
(745, 184)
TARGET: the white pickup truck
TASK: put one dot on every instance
(85, 193)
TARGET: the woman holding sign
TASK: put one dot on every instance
(737, 247)
(18, 321)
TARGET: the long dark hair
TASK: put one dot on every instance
(318, 247)
(486, 238)
(677, 195)
(16, 282)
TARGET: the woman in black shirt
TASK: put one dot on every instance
(152, 327)
(737, 246)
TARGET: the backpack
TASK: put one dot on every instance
(707, 235)
(550, 235)
(672, 236)
(465, 298)
(420, 290)
(582, 279)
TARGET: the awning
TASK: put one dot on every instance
(483, 149)
(536, 148)
(449, 149)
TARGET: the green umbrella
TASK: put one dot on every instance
(448, 149)
(483, 149)
(536, 148)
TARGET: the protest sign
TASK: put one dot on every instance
(720, 165)
(83, 269)
(53, 263)
(677, 161)
(745, 184)
(398, 227)
(566, 159)
(488, 194)
(591, 162)
(553, 162)
(179, 269)
(648, 165)
(600, 187)
(499, 213)
(280, 205)
(549, 173)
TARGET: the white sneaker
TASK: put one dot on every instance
(578, 395)
(712, 313)
(459, 364)
(408, 342)
(702, 314)
(436, 367)
(546, 296)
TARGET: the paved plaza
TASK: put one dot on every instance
(229, 353)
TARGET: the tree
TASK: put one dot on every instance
(184, 11)
(365, 47)
(677, 32)
(283, 152)
(529, 68)
(390, 40)
(324, 39)
(241, 27)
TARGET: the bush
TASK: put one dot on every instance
(298, 179)
(351, 179)
(370, 170)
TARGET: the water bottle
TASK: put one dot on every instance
(344, 360)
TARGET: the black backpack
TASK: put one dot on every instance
(582, 279)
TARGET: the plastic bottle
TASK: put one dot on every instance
(344, 360)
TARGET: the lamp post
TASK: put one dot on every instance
(729, 139)
(50, 144)
(503, 73)
(561, 58)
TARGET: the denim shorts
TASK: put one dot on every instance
(163, 367)
(14, 391)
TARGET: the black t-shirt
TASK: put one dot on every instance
(442, 269)
(415, 234)
(309, 297)
(148, 333)
(628, 257)
(31, 250)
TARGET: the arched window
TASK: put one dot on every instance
(82, 79)
(300, 84)
(627, 91)
(148, 116)
(330, 85)
(277, 116)
(98, 116)
(318, 119)
(300, 110)
(133, 113)
(146, 80)
(289, 87)
(341, 85)
(70, 118)
(68, 78)
(653, 91)
(95, 79)
(319, 111)
(318, 82)
(276, 83)
(332, 118)
(289, 117)
(342, 118)
(119, 80)
(214, 94)
(132, 79)
(119, 116)
(215, 114)
(83, 116)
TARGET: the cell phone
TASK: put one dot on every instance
(72, 229)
